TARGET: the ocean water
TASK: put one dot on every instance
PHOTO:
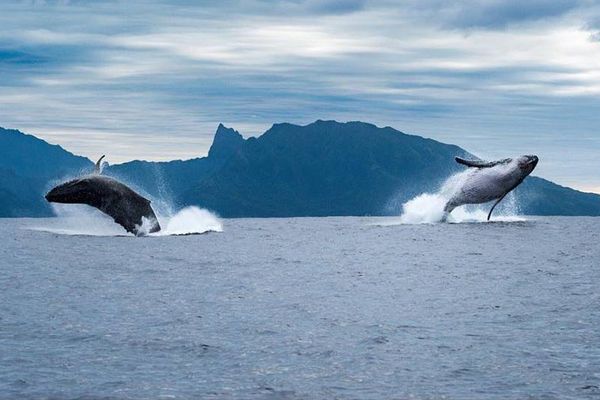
(305, 308)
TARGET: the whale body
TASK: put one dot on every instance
(488, 181)
(128, 209)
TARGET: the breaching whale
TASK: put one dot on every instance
(487, 181)
(128, 209)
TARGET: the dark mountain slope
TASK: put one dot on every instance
(29, 156)
(167, 180)
(324, 168)
(354, 168)
(28, 167)
(537, 196)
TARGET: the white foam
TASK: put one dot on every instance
(77, 219)
(191, 220)
(423, 209)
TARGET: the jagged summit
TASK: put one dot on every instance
(225, 143)
(322, 168)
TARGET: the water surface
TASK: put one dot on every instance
(349, 308)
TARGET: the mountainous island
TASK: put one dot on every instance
(325, 168)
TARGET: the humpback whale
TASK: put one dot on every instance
(128, 209)
(487, 181)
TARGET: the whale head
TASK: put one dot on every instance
(72, 192)
(527, 164)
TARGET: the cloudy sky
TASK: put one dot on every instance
(153, 79)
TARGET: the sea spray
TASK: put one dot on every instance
(79, 219)
(191, 220)
(163, 202)
(423, 209)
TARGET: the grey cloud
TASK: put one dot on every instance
(10, 56)
(490, 14)
(157, 77)
(591, 15)
(500, 14)
(336, 6)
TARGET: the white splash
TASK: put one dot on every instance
(146, 226)
(78, 219)
(423, 209)
(190, 220)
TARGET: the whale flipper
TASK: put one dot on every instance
(495, 204)
(481, 164)
(447, 210)
(98, 167)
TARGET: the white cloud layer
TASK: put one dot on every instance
(153, 79)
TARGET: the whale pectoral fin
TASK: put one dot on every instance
(445, 217)
(472, 163)
(495, 204)
(447, 210)
(480, 163)
(98, 167)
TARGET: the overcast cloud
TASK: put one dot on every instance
(153, 80)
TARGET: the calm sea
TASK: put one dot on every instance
(305, 308)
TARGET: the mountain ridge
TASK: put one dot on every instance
(28, 167)
(319, 169)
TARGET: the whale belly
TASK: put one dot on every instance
(479, 186)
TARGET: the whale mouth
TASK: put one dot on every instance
(53, 196)
(69, 192)
(528, 162)
(533, 161)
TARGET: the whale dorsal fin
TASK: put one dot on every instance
(481, 164)
(98, 167)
